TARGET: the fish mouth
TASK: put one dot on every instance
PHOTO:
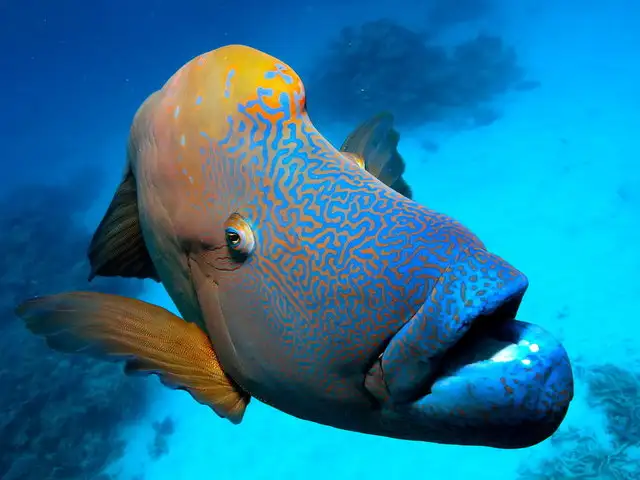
(492, 343)
(505, 384)
(511, 382)
(496, 346)
(464, 370)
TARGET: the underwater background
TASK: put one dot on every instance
(518, 118)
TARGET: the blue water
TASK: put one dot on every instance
(547, 173)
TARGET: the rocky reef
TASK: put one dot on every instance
(385, 66)
(61, 414)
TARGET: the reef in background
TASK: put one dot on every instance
(384, 66)
(577, 453)
(444, 14)
(61, 414)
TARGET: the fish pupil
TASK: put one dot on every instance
(233, 238)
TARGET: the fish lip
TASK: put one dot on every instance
(492, 401)
(527, 383)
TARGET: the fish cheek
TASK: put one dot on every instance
(211, 261)
(206, 268)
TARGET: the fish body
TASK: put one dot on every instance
(305, 275)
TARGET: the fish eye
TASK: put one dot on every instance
(239, 235)
(233, 237)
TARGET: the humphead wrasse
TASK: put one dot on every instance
(305, 275)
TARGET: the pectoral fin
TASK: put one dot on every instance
(149, 338)
(374, 145)
(117, 248)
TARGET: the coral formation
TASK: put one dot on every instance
(384, 66)
(60, 413)
(578, 454)
(617, 392)
(163, 430)
(442, 14)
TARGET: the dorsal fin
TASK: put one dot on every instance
(376, 143)
(117, 248)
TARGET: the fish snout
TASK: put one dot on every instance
(463, 370)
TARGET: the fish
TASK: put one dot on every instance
(304, 275)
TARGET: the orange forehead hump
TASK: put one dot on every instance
(217, 84)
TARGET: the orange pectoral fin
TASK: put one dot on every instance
(149, 338)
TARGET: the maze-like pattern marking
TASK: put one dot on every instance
(341, 262)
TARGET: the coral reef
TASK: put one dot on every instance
(442, 14)
(61, 414)
(163, 430)
(578, 454)
(384, 66)
(617, 392)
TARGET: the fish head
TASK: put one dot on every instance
(304, 246)
(326, 291)
(295, 233)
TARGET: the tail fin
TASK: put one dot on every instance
(376, 143)
(149, 338)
